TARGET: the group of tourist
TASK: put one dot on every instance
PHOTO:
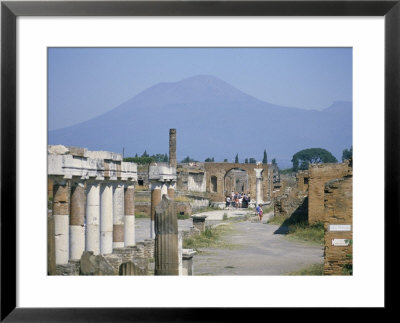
(238, 200)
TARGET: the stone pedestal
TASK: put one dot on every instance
(199, 222)
(61, 221)
(166, 242)
(93, 217)
(77, 221)
(187, 262)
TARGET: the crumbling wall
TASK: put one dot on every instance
(302, 178)
(338, 225)
(319, 174)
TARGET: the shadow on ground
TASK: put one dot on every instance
(298, 217)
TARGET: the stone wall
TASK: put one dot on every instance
(319, 174)
(70, 269)
(302, 178)
(338, 225)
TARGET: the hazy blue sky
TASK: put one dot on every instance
(86, 82)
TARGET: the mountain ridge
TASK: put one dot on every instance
(207, 108)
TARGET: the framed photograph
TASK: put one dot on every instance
(65, 65)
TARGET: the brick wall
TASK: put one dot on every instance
(302, 178)
(319, 174)
(338, 210)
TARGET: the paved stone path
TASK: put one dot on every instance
(257, 249)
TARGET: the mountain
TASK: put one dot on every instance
(213, 119)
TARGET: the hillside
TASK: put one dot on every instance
(213, 119)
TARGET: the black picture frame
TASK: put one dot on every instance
(10, 10)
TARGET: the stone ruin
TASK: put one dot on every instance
(93, 203)
(92, 218)
(324, 194)
(91, 224)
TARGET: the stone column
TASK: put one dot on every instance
(118, 216)
(106, 219)
(164, 189)
(93, 217)
(171, 190)
(166, 242)
(77, 221)
(259, 198)
(172, 147)
(51, 248)
(155, 200)
(180, 246)
(129, 204)
(61, 221)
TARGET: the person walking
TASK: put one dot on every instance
(259, 212)
(228, 201)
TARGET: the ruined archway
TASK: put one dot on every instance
(216, 175)
(236, 180)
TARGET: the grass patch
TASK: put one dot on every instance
(182, 216)
(210, 238)
(141, 188)
(182, 199)
(298, 227)
(50, 203)
(141, 215)
(313, 234)
(142, 199)
(313, 270)
(268, 208)
(278, 220)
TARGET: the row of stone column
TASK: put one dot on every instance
(93, 216)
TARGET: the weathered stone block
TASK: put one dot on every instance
(133, 268)
(94, 265)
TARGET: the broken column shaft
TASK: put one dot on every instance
(172, 147)
(166, 242)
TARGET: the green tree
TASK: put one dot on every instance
(188, 160)
(225, 160)
(265, 159)
(237, 158)
(246, 161)
(209, 160)
(145, 154)
(252, 161)
(274, 162)
(165, 160)
(347, 154)
(304, 157)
